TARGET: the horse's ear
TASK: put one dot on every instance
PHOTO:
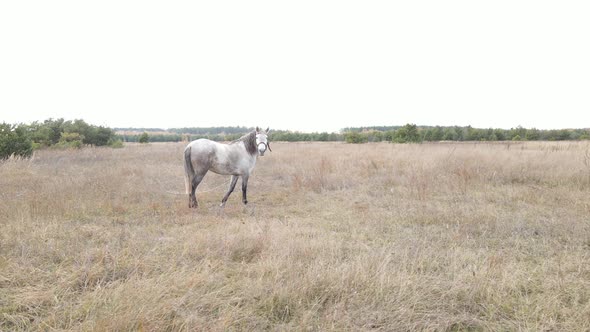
(257, 129)
(267, 129)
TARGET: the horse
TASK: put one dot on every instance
(236, 159)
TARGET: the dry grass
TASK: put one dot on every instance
(441, 237)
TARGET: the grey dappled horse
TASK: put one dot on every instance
(236, 159)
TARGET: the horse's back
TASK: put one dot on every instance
(217, 157)
(202, 145)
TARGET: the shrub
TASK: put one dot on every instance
(144, 138)
(70, 140)
(116, 143)
(355, 137)
(14, 141)
(408, 133)
(102, 136)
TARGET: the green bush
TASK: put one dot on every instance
(116, 143)
(144, 138)
(355, 137)
(70, 141)
(407, 133)
(14, 141)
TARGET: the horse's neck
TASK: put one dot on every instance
(240, 148)
(250, 143)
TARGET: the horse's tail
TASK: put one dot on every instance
(189, 172)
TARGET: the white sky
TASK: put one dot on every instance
(300, 65)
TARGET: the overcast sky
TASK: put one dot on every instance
(298, 65)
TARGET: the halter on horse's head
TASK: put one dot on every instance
(262, 141)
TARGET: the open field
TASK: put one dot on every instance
(373, 237)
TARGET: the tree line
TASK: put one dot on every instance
(224, 136)
(409, 133)
(414, 133)
(22, 139)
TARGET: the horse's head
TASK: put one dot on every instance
(262, 141)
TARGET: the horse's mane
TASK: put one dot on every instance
(249, 140)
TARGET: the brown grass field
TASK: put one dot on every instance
(372, 237)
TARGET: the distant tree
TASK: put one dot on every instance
(532, 135)
(388, 135)
(55, 128)
(518, 131)
(427, 135)
(355, 137)
(40, 134)
(449, 134)
(144, 138)
(564, 135)
(374, 136)
(490, 135)
(500, 134)
(334, 137)
(323, 137)
(437, 133)
(400, 136)
(476, 134)
(472, 134)
(460, 133)
(14, 141)
(102, 136)
(557, 135)
(81, 128)
(408, 133)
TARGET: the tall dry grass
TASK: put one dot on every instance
(442, 237)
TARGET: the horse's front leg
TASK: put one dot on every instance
(245, 188)
(232, 185)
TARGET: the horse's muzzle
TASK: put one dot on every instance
(262, 148)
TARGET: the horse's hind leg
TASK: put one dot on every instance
(192, 201)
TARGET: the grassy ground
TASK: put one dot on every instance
(379, 237)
